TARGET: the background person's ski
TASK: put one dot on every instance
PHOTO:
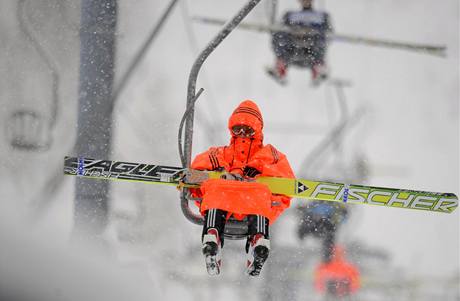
(437, 50)
(299, 188)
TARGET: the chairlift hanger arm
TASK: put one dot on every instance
(186, 151)
(26, 28)
(224, 32)
(182, 122)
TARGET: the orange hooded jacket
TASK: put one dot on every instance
(242, 198)
(338, 269)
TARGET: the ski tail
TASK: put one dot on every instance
(359, 194)
(120, 170)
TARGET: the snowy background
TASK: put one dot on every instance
(407, 136)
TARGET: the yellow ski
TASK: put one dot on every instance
(297, 188)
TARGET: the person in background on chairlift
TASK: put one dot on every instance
(235, 195)
(322, 219)
(304, 45)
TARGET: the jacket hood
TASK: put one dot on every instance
(247, 113)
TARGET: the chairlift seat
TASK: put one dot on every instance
(27, 130)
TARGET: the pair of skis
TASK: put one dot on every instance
(297, 188)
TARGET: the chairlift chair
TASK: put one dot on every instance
(234, 229)
(28, 130)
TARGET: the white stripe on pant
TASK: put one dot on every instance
(211, 220)
(261, 224)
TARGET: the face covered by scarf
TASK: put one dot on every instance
(245, 125)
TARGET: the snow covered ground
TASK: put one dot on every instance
(408, 137)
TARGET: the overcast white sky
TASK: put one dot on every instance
(409, 136)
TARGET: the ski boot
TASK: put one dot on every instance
(259, 248)
(319, 73)
(278, 72)
(211, 252)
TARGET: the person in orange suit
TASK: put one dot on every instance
(245, 158)
(337, 277)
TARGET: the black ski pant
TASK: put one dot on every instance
(216, 218)
(300, 51)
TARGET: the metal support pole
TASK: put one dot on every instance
(50, 190)
(97, 58)
(273, 9)
(336, 133)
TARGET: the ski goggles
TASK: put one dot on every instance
(242, 130)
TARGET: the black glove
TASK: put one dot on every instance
(232, 176)
(250, 172)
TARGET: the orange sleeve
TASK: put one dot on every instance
(200, 162)
(212, 159)
(272, 163)
(281, 169)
